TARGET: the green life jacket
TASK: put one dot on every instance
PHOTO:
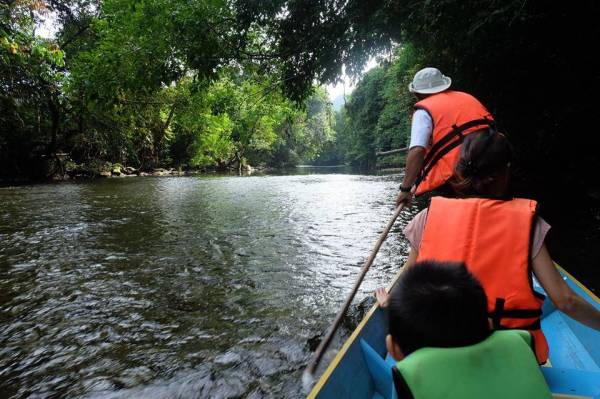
(501, 366)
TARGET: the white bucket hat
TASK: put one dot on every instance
(429, 81)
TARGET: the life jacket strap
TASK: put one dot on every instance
(521, 313)
(500, 313)
(445, 144)
(536, 325)
(402, 388)
(496, 315)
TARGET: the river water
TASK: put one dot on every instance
(186, 287)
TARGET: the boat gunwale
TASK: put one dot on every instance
(348, 343)
(578, 283)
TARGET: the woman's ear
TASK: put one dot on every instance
(393, 348)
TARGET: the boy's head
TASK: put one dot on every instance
(437, 305)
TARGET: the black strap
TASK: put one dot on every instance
(532, 344)
(445, 144)
(439, 156)
(521, 313)
(456, 131)
(402, 388)
(496, 315)
(500, 313)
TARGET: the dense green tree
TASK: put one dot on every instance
(152, 83)
(239, 120)
(235, 118)
(30, 96)
(334, 152)
(306, 133)
(315, 39)
(363, 109)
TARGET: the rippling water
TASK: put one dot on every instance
(182, 287)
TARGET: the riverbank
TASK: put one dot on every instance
(117, 170)
(108, 170)
(84, 173)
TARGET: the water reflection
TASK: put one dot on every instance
(182, 287)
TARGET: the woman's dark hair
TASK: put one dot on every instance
(484, 157)
(437, 304)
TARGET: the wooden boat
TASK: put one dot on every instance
(573, 370)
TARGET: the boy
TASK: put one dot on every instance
(439, 333)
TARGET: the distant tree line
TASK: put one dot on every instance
(377, 114)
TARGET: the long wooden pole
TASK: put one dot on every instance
(390, 152)
(312, 366)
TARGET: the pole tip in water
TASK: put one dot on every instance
(308, 380)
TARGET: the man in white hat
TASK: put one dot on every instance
(441, 119)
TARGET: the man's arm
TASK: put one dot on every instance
(420, 135)
(414, 163)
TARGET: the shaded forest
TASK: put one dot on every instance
(214, 83)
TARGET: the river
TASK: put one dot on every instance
(187, 287)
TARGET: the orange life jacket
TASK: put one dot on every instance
(493, 239)
(454, 114)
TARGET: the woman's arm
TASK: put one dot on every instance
(412, 257)
(563, 297)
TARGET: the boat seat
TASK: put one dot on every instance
(578, 383)
(573, 370)
(567, 350)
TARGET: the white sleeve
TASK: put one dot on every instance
(420, 131)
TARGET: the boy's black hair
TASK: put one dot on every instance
(437, 304)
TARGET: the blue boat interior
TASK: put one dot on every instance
(573, 368)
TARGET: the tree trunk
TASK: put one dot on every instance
(55, 165)
(55, 117)
(159, 138)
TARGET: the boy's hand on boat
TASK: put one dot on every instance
(382, 297)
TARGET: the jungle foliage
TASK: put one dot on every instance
(377, 115)
(146, 84)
